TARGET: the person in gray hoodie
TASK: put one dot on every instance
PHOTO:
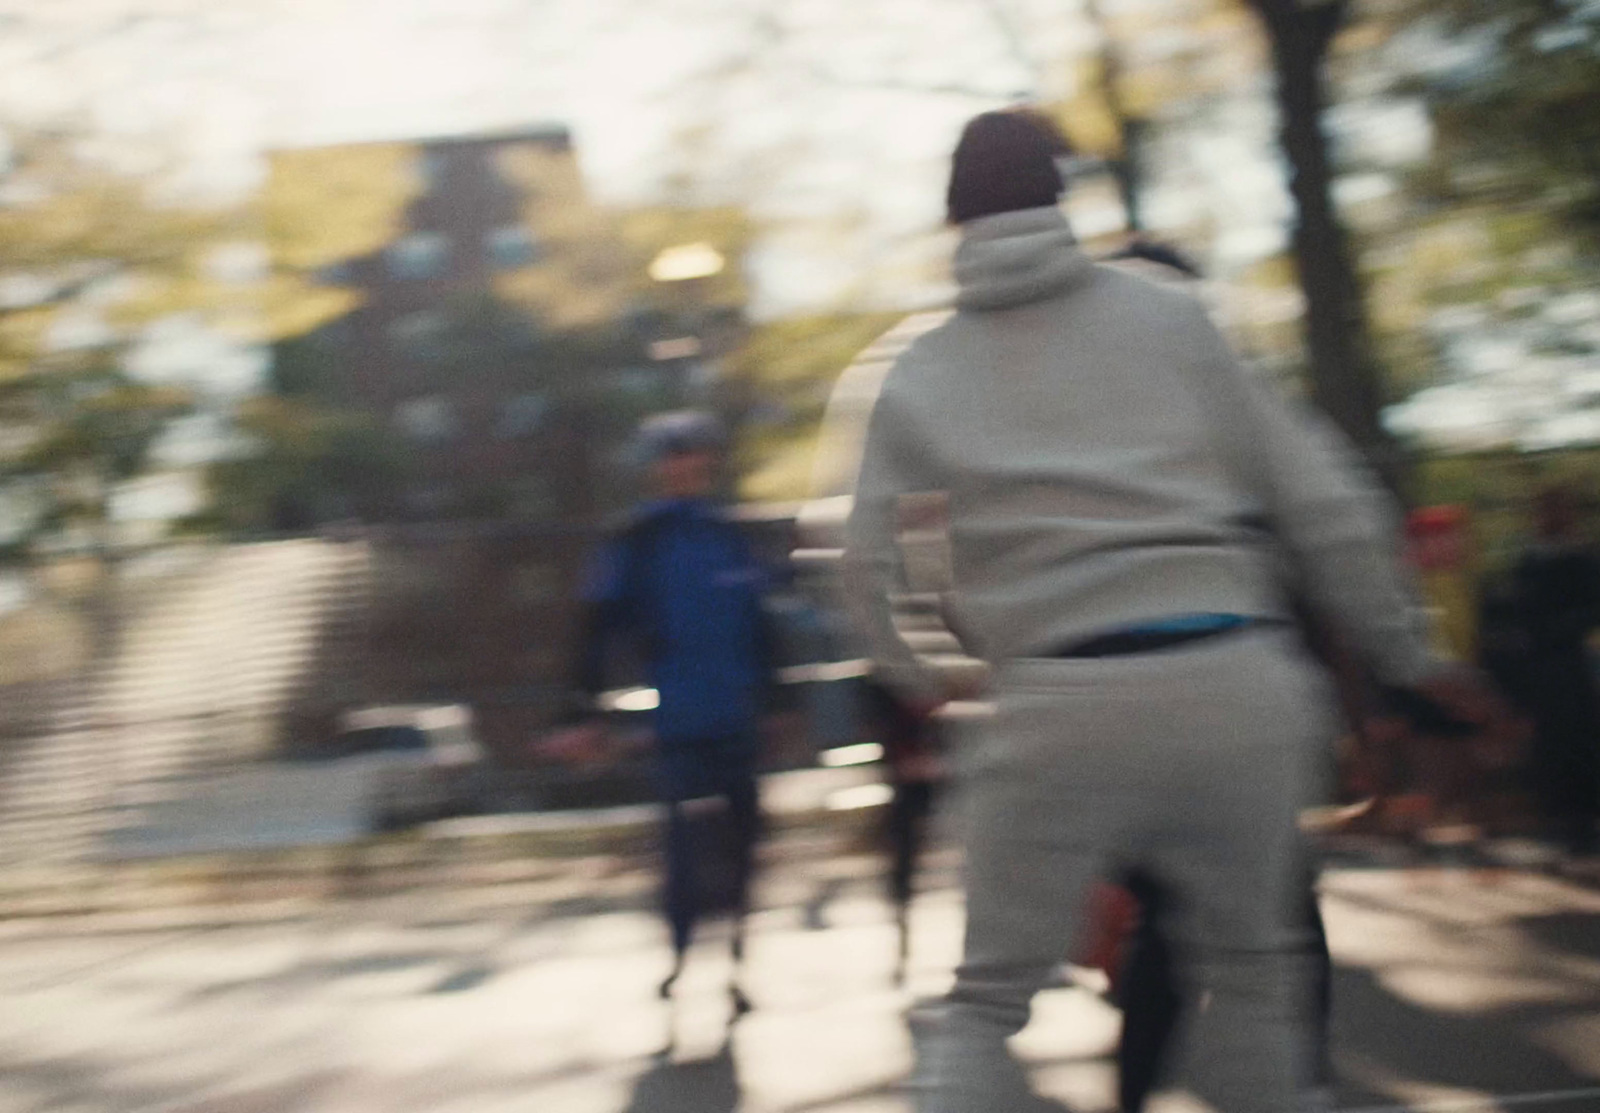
(1121, 501)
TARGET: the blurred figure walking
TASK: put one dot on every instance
(1556, 588)
(916, 775)
(1143, 970)
(1118, 493)
(682, 582)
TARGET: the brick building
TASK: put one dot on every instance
(503, 334)
(504, 328)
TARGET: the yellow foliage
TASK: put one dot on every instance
(21, 332)
(649, 231)
(325, 204)
(794, 364)
(1395, 303)
(806, 351)
(564, 298)
(84, 225)
(784, 475)
(1085, 118)
(544, 173)
(286, 306)
(1277, 272)
(589, 267)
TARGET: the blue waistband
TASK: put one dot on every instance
(1188, 624)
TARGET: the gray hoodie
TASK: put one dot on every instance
(1106, 463)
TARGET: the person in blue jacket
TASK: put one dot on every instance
(683, 583)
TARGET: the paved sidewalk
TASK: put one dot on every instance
(840, 805)
(537, 996)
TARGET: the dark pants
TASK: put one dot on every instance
(713, 822)
(1565, 760)
(1153, 1001)
(909, 810)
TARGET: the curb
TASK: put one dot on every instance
(476, 851)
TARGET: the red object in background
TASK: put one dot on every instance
(1113, 914)
(1436, 537)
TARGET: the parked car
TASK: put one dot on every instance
(425, 760)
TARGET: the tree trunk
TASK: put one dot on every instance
(1130, 171)
(1126, 167)
(1344, 375)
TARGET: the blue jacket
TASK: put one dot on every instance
(683, 581)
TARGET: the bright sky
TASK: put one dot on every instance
(830, 119)
(815, 113)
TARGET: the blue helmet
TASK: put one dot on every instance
(668, 434)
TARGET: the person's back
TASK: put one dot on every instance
(1107, 463)
(1109, 473)
(1068, 425)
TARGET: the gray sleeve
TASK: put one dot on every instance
(871, 569)
(1339, 525)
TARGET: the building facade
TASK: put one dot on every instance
(504, 333)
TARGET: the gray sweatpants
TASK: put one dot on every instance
(1192, 763)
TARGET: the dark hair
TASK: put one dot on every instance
(1005, 161)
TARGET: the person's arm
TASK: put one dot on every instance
(871, 567)
(605, 613)
(769, 645)
(1341, 527)
(1336, 521)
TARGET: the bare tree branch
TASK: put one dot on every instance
(769, 34)
(1016, 41)
(64, 291)
(941, 89)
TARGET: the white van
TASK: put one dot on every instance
(425, 761)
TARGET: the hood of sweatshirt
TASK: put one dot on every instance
(1013, 258)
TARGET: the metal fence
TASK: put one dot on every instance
(223, 671)
(190, 660)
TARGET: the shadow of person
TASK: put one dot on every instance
(699, 1086)
(1574, 933)
(1493, 1049)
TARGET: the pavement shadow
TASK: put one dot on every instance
(109, 1085)
(482, 965)
(814, 913)
(1574, 933)
(315, 972)
(1490, 1051)
(464, 979)
(698, 1086)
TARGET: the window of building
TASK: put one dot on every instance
(419, 335)
(419, 255)
(522, 416)
(433, 164)
(431, 418)
(511, 247)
